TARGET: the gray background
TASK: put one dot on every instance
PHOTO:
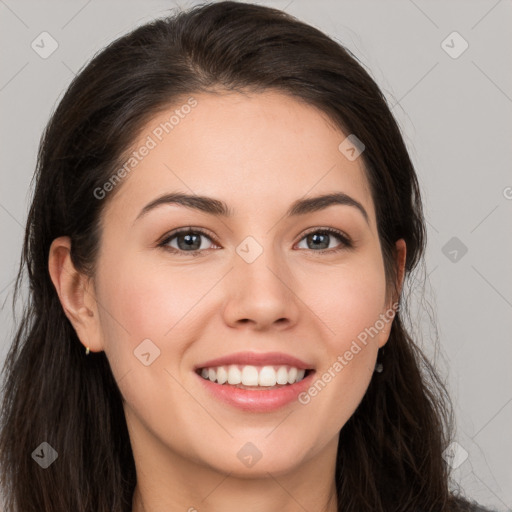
(455, 117)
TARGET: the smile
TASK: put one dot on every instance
(255, 382)
(247, 376)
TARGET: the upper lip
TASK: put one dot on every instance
(256, 359)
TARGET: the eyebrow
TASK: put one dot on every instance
(220, 208)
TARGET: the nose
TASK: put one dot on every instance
(261, 293)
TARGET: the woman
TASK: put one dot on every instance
(269, 369)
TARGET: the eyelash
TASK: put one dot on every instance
(346, 243)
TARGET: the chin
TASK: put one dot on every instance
(255, 459)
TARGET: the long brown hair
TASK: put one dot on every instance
(390, 455)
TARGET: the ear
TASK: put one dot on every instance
(76, 294)
(391, 307)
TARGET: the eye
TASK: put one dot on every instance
(320, 238)
(188, 240)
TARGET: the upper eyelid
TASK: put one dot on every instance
(179, 231)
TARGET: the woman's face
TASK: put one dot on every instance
(260, 280)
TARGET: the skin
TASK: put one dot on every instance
(294, 298)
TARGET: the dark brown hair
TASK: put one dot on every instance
(390, 450)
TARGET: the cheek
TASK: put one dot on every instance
(148, 303)
(349, 300)
(139, 303)
(136, 305)
(350, 305)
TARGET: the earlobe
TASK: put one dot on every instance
(75, 292)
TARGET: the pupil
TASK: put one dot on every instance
(190, 242)
(316, 236)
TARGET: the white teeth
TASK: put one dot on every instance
(222, 375)
(282, 375)
(267, 376)
(234, 375)
(249, 375)
(292, 375)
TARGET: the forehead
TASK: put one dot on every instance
(254, 151)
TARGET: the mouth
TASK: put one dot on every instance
(255, 389)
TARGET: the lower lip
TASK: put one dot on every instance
(264, 400)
